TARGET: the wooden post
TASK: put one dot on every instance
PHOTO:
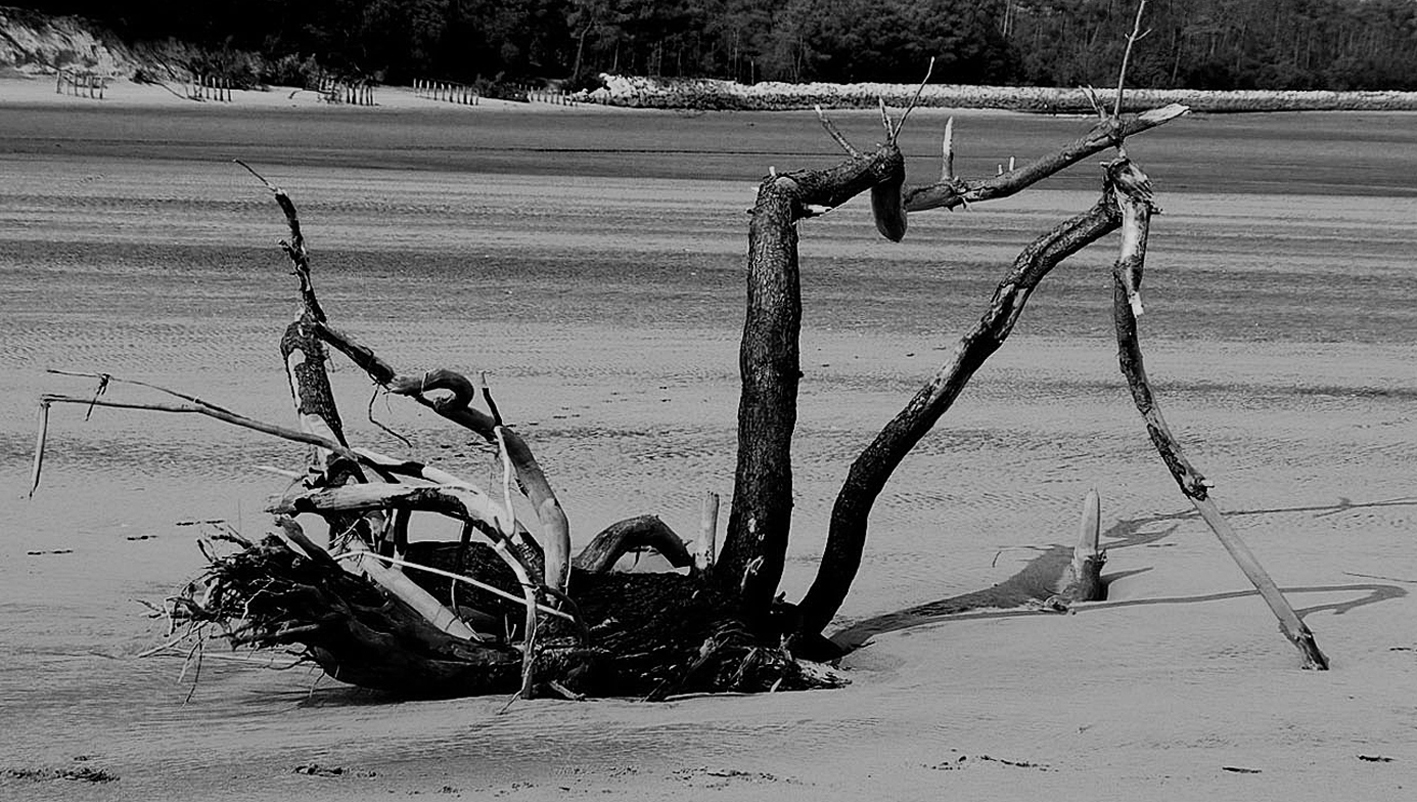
(1084, 582)
(705, 548)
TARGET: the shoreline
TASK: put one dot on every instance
(632, 94)
(712, 94)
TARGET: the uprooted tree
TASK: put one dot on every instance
(507, 608)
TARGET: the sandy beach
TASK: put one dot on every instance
(591, 261)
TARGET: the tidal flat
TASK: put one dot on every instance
(592, 263)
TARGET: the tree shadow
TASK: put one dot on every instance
(1025, 592)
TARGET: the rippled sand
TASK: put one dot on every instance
(605, 302)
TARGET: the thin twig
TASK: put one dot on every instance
(372, 398)
(41, 437)
(102, 387)
(219, 414)
(109, 377)
(930, 70)
(1092, 98)
(1136, 36)
(295, 247)
(947, 148)
(487, 396)
(836, 134)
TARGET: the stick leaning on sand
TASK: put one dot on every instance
(1133, 193)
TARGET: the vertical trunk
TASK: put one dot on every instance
(759, 521)
(761, 516)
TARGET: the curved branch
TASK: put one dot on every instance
(846, 536)
(645, 531)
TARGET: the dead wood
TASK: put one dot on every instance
(555, 541)
(1133, 192)
(950, 193)
(645, 632)
(305, 341)
(1084, 579)
(632, 534)
(846, 535)
(769, 364)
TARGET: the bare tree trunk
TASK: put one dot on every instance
(761, 515)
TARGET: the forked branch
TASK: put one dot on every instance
(1107, 133)
(846, 535)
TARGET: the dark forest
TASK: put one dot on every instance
(1197, 44)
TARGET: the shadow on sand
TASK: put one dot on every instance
(1025, 592)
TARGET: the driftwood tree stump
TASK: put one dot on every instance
(507, 608)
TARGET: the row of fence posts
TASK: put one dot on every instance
(81, 84)
(465, 95)
(336, 91)
(461, 94)
(209, 87)
(556, 97)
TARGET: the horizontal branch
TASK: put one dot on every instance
(810, 193)
(294, 435)
(950, 193)
(463, 502)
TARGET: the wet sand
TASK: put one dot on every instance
(592, 262)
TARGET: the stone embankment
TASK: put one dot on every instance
(713, 94)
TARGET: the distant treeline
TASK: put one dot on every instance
(1198, 44)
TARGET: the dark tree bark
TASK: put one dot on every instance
(761, 515)
(632, 534)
